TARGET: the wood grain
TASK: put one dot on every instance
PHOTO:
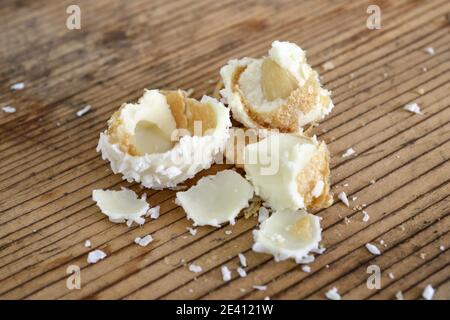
(49, 166)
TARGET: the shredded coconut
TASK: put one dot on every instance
(413, 107)
(17, 86)
(95, 256)
(430, 50)
(333, 294)
(343, 197)
(226, 273)
(348, 152)
(9, 109)
(241, 272)
(83, 110)
(260, 288)
(366, 216)
(428, 292)
(373, 249)
(242, 260)
(195, 268)
(143, 242)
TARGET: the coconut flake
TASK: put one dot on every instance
(195, 268)
(260, 288)
(242, 260)
(430, 50)
(226, 273)
(241, 272)
(348, 152)
(343, 197)
(428, 292)
(95, 256)
(143, 242)
(373, 249)
(366, 216)
(9, 109)
(17, 86)
(333, 294)
(84, 110)
(391, 275)
(413, 107)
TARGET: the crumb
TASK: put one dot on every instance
(421, 91)
(329, 65)
(87, 244)
(430, 50)
(343, 197)
(143, 242)
(413, 108)
(373, 249)
(242, 259)
(192, 231)
(366, 216)
(17, 86)
(333, 294)
(306, 269)
(399, 295)
(428, 292)
(95, 256)
(423, 255)
(267, 298)
(9, 109)
(226, 273)
(348, 152)
(195, 268)
(83, 110)
(228, 232)
(260, 288)
(442, 248)
(241, 272)
(373, 181)
(391, 275)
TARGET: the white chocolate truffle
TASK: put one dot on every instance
(286, 170)
(278, 91)
(288, 234)
(216, 199)
(164, 139)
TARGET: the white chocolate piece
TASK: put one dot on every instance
(216, 199)
(143, 141)
(289, 171)
(278, 91)
(120, 206)
(288, 234)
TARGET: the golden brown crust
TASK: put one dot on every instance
(318, 168)
(286, 118)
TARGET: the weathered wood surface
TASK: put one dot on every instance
(49, 166)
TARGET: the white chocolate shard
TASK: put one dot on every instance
(288, 234)
(278, 91)
(165, 138)
(289, 171)
(216, 199)
(121, 206)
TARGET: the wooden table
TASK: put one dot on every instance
(49, 165)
